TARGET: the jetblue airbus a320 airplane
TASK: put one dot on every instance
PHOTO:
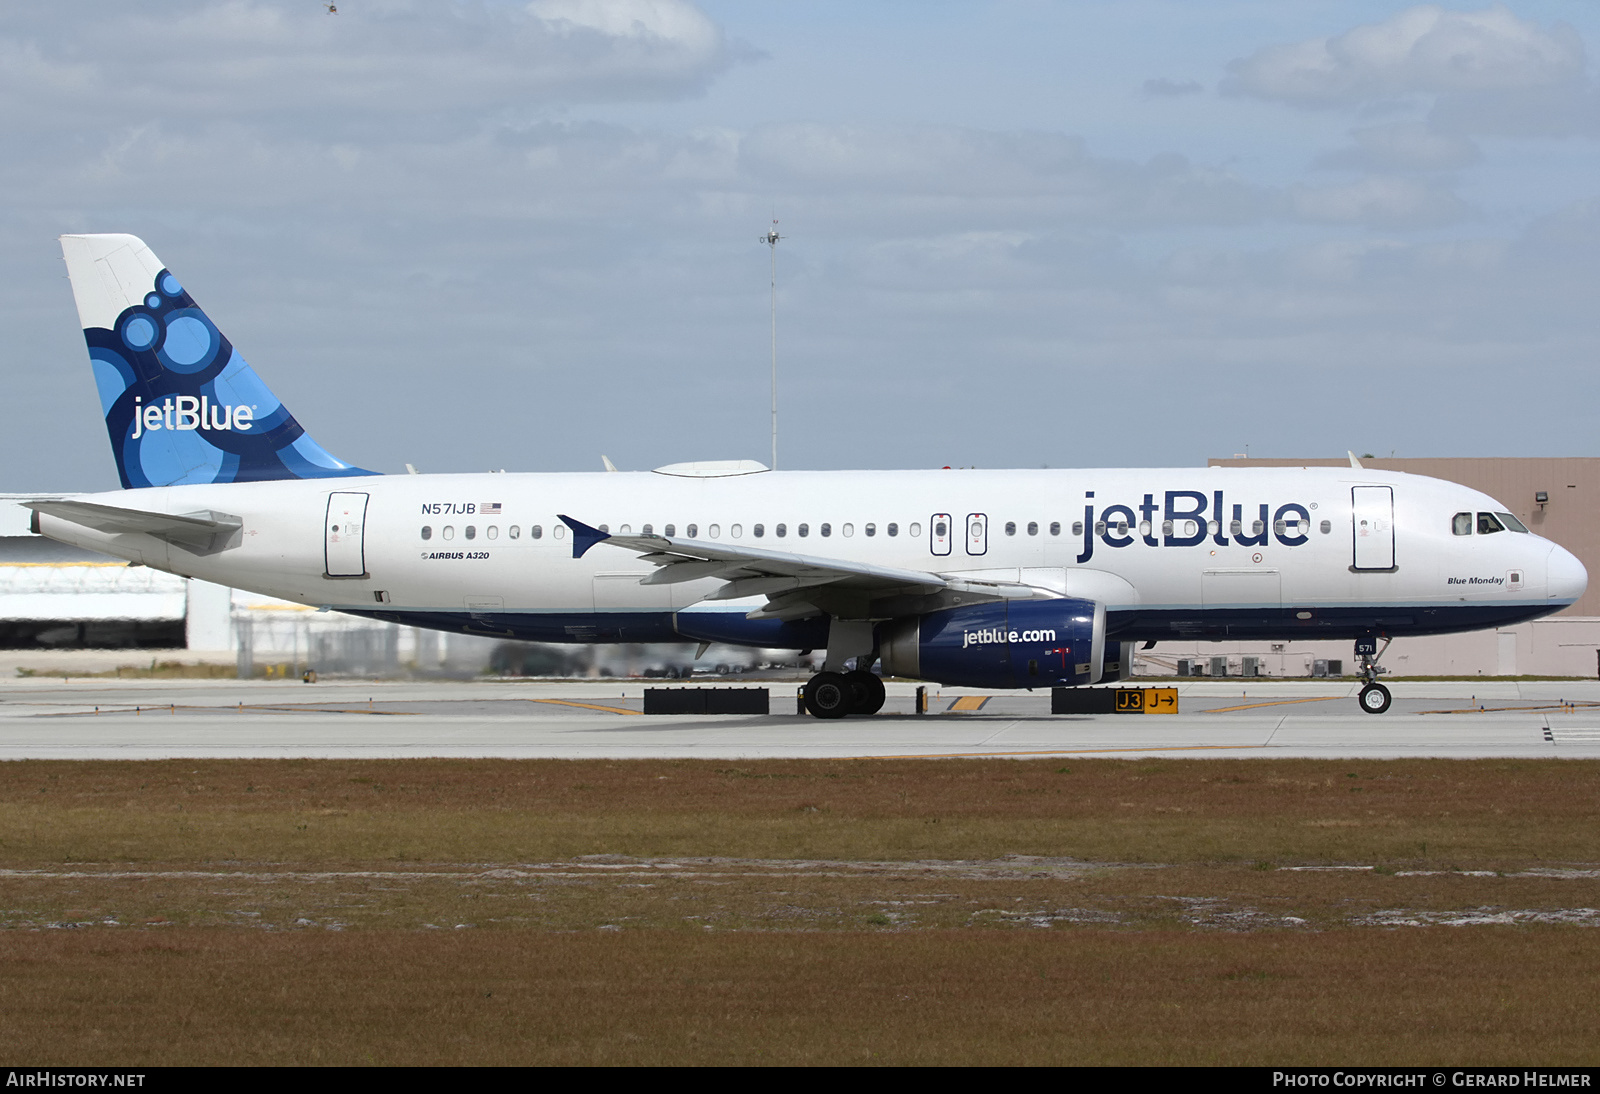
(991, 579)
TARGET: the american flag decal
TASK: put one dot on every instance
(489, 508)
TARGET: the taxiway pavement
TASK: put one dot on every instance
(85, 718)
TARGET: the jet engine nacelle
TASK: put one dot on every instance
(1009, 644)
(1118, 664)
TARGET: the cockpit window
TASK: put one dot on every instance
(1513, 523)
(1488, 523)
(1461, 524)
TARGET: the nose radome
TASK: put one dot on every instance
(1565, 577)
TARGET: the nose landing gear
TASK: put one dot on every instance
(1374, 697)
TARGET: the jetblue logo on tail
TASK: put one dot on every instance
(186, 412)
(181, 406)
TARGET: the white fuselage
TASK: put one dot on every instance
(1159, 547)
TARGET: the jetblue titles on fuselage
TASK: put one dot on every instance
(1189, 518)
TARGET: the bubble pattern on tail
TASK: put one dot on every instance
(182, 407)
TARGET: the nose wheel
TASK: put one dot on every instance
(1374, 697)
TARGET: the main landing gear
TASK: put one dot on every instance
(1374, 697)
(836, 694)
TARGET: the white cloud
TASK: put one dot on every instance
(395, 59)
(1423, 50)
(1403, 146)
(997, 177)
(1378, 200)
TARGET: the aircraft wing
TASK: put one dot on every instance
(204, 533)
(795, 585)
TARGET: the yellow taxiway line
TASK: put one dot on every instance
(586, 706)
(1273, 703)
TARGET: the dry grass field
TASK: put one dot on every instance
(1102, 911)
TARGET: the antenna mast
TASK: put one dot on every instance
(771, 240)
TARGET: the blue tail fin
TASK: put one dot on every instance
(181, 406)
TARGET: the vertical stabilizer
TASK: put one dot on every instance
(180, 405)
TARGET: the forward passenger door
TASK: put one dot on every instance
(1372, 529)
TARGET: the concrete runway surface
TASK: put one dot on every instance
(116, 719)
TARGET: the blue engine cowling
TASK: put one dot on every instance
(1010, 644)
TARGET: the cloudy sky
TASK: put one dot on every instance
(487, 235)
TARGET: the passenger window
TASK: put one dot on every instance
(736, 531)
(427, 532)
(1513, 523)
(515, 531)
(1077, 527)
(1236, 527)
(1099, 527)
(448, 532)
(1257, 527)
(1461, 524)
(1327, 526)
(827, 529)
(1166, 527)
(1011, 527)
(648, 530)
(625, 530)
(670, 530)
(893, 529)
(1055, 528)
(915, 529)
(1280, 527)
(758, 531)
(715, 531)
(472, 531)
(1033, 527)
(941, 529)
(804, 530)
(871, 529)
(692, 531)
(492, 532)
(606, 528)
(849, 529)
(558, 530)
(1487, 524)
(782, 530)
(537, 532)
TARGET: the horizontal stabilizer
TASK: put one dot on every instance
(198, 533)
